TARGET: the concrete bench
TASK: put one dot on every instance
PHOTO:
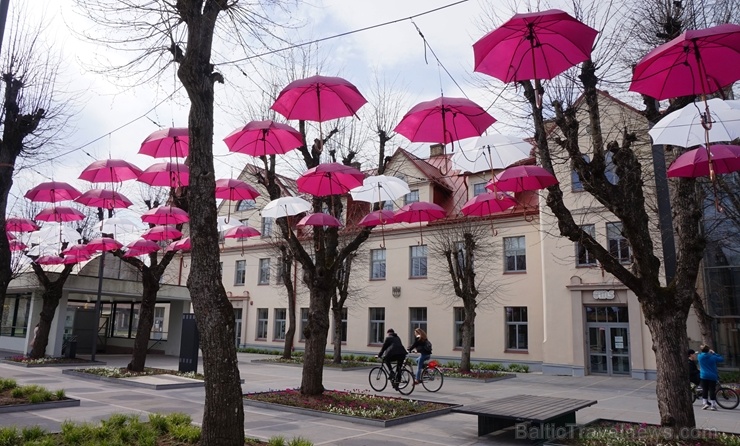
(549, 412)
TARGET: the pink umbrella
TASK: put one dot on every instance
(15, 245)
(165, 215)
(140, 247)
(166, 174)
(231, 189)
(71, 259)
(110, 171)
(444, 120)
(376, 218)
(180, 245)
(535, 45)
(319, 98)
(260, 138)
(487, 204)
(329, 179)
(103, 244)
(166, 143)
(77, 250)
(242, 231)
(50, 260)
(694, 163)
(420, 211)
(698, 62)
(52, 191)
(17, 224)
(104, 198)
(60, 214)
(166, 232)
(319, 219)
(9, 236)
(521, 178)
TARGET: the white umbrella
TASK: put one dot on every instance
(53, 234)
(491, 152)
(380, 188)
(683, 127)
(224, 226)
(285, 206)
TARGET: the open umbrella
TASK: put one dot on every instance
(52, 192)
(319, 98)
(231, 189)
(285, 206)
(419, 212)
(110, 171)
(17, 224)
(694, 163)
(179, 245)
(164, 232)
(490, 152)
(140, 247)
(165, 215)
(77, 249)
(521, 178)
(319, 219)
(684, 127)
(104, 198)
(103, 244)
(71, 259)
(381, 218)
(377, 188)
(444, 120)
(166, 143)
(166, 174)
(535, 45)
(9, 236)
(53, 233)
(487, 204)
(60, 214)
(16, 245)
(49, 260)
(241, 232)
(329, 179)
(261, 138)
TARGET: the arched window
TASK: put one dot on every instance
(245, 205)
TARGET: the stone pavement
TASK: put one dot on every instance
(619, 398)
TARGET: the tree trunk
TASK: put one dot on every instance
(50, 302)
(316, 333)
(146, 320)
(337, 338)
(290, 334)
(468, 332)
(705, 320)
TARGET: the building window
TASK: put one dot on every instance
(515, 253)
(583, 257)
(611, 169)
(619, 248)
(377, 264)
(240, 272)
(304, 322)
(267, 226)
(417, 319)
(411, 197)
(245, 205)
(418, 261)
(279, 329)
(377, 326)
(575, 179)
(459, 313)
(479, 188)
(16, 312)
(262, 314)
(264, 275)
(387, 205)
(516, 328)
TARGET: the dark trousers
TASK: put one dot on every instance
(395, 373)
(709, 387)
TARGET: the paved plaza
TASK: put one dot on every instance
(618, 398)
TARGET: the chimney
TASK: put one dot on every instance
(436, 150)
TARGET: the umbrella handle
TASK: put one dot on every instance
(182, 257)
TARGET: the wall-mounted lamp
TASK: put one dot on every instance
(396, 291)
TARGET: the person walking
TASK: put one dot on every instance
(393, 351)
(709, 375)
(694, 376)
(424, 347)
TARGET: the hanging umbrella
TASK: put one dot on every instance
(694, 163)
(444, 120)
(54, 233)
(16, 245)
(261, 138)
(375, 218)
(419, 212)
(521, 178)
(166, 174)
(165, 215)
(110, 171)
(224, 224)
(104, 198)
(684, 128)
(490, 152)
(165, 232)
(140, 247)
(60, 214)
(319, 219)
(103, 244)
(698, 62)
(285, 206)
(17, 224)
(52, 192)
(487, 204)
(49, 260)
(231, 189)
(77, 249)
(242, 231)
(179, 245)
(329, 179)
(378, 188)
(166, 143)
(9, 236)
(319, 98)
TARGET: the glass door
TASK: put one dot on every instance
(597, 350)
(620, 352)
(608, 349)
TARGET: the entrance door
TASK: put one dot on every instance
(608, 340)
(238, 328)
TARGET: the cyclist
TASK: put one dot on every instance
(393, 350)
(709, 375)
(424, 347)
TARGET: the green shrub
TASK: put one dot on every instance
(117, 420)
(159, 422)
(17, 392)
(729, 376)
(39, 397)
(179, 419)
(7, 384)
(452, 364)
(518, 368)
(9, 437)
(276, 441)
(73, 433)
(185, 432)
(43, 441)
(493, 367)
(32, 433)
(60, 394)
(299, 441)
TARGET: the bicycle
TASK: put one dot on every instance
(727, 398)
(379, 377)
(432, 377)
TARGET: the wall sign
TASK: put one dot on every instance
(603, 294)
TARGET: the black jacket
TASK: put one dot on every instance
(693, 372)
(392, 347)
(421, 347)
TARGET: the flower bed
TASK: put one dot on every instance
(123, 372)
(47, 361)
(168, 379)
(482, 375)
(15, 398)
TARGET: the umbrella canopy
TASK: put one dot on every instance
(319, 219)
(242, 231)
(165, 215)
(166, 174)
(9, 236)
(52, 192)
(231, 189)
(444, 120)
(684, 128)
(487, 204)
(319, 98)
(103, 244)
(54, 234)
(285, 206)
(521, 178)
(165, 232)
(60, 214)
(698, 62)
(17, 224)
(329, 179)
(375, 218)
(110, 171)
(78, 249)
(71, 259)
(491, 152)
(180, 245)
(166, 143)
(261, 138)
(694, 163)
(380, 188)
(419, 212)
(49, 260)
(140, 247)
(535, 45)
(15, 245)
(104, 198)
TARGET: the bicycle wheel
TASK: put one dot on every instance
(432, 379)
(378, 379)
(406, 385)
(727, 398)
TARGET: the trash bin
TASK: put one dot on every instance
(72, 349)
